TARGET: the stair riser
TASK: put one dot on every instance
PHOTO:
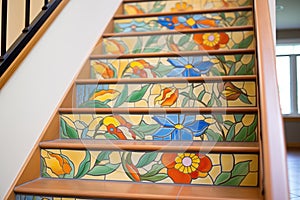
(41, 197)
(152, 167)
(179, 42)
(175, 95)
(165, 67)
(209, 127)
(180, 22)
(173, 6)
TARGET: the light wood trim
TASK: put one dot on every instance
(184, 31)
(176, 146)
(225, 110)
(125, 190)
(273, 139)
(173, 54)
(19, 59)
(232, 9)
(291, 119)
(293, 145)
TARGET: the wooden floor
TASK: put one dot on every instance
(293, 158)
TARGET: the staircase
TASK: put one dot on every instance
(166, 107)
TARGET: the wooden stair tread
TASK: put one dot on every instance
(125, 190)
(174, 54)
(143, 15)
(183, 31)
(225, 147)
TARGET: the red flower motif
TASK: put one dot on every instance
(184, 167)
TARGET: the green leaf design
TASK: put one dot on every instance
(146, 129)
(153, 49)
(215, 71)
(222, 178)
(157, 7)
(184, 101)
(162, 70)
(244, 98)
(155, 169)
(238, 117)
(138, 46)
(238, 57)
(184, 39)
(84, 166)
(155, 178)
(146, 159)
(244, 43)
(122, 97)
(247, 69)
(94, 104)
(219, 118)
(67, 131)
(213, 136)
(231, 133)
(104, 155)
(251, 137)
(44, 173)
(241, 168)
(228, 123)
(241, 135)
(234, 181)
(152, 40)
(242, 21)
(109, 136)
(253, 126)
(100, 170)
(201, 95)
(137, 95)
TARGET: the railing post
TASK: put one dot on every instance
(45, 7)
(27, 16)
(3, 28)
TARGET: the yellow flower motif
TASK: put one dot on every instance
(104, 95)
(113, 46)
(57, 164)
(132, 10)
(182, 6)
(103, 69)
(111, 120)
(187, 162)
(211, 39)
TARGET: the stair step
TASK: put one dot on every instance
(190, 40)
(167, 67)
(133, 7)
(155, 127)
(180, 21)
(175, 95)
(123, 190)
(168, 167)
(188, 146)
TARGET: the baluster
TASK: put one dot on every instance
(27, 16)
(45, 7)
(3, 28)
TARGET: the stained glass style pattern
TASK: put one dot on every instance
(192, 66)
(220, 94)
(35, 197)
(177, 6)
(153, 167)
(209, 127)
(179, 42)
(180, 22)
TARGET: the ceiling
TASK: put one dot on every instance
(287, 14)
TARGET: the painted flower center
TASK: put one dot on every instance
(189, 66)
(133, 27)
(179, 126)
(211, 38)
(187, 161)
(191, 22)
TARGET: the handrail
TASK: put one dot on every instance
(9, 54)
(275, 181)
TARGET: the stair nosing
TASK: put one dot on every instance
(183, 31)
(202, 11)
(217, 110)
(162, 146)
(173, 54)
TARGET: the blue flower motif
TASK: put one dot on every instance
(166, 21)
(179, 127)
(189, 66)
(197, 21)
(134, 26)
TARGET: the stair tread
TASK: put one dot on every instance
(169, 54)
(226, 147)
(166, 32)
(125, 190)
(202, 11)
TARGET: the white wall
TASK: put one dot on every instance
(31, 95)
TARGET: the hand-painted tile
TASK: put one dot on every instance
(179, 22)
(38, 197)
(180, 5)
(201, 65)
(154, 167)
(208, 127)
(220, 94)
(179, 42)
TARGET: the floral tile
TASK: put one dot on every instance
(179, 22)
(218, 94)
(179, 42)
(180, 5)
(154, 167)
(37, 197)
(209, 127)
(162, 67)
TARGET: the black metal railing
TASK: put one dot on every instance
(9, 54)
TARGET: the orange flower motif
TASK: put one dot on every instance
(167, 97)
(211, 41)
(133, 171)
(132, 10)
(182, 6)
(103, 69)
(114, 47)
(58, 164)
(184, 167)
(118, 126)
(104, 95)
(142, 68)
(229, 91)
